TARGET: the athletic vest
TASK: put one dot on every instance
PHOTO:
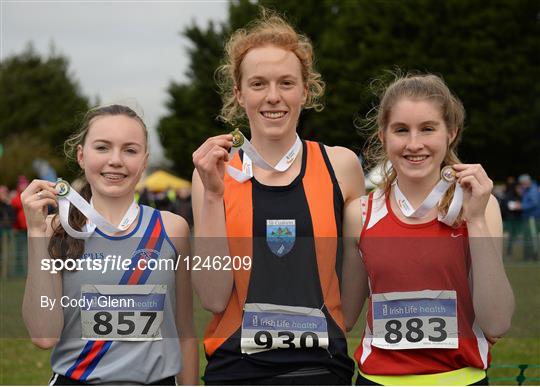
(304, 274)
(402, 257)
(116, 362)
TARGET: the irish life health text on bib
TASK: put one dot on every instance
(268, 326)
(123, 312)
(421, 319)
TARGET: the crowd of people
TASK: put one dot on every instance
(520, 208)
(423, 249)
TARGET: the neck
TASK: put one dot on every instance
(112, 209)
(272, 150)
(417, 190)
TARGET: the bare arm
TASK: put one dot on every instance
(213, 287)
(178, 229)
(44, 323)
(493, 299)
(354, 288)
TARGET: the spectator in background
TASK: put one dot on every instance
(511, 212)
(182, 205)
(6, 223)
(19, 226)
(6, 211)
(146, 199)
(530, 207)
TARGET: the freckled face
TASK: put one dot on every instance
(272, 90)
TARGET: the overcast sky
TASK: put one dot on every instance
(119, 51)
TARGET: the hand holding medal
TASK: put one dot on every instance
(35, 199)
(251, 156)
(477, 187)
(209, 160)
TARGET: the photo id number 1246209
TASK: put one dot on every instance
(218, 263)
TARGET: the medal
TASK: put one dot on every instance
(448, 178)
(62, 187)
(238, 138)
(448, 174)
(251, 156)
(68, 196)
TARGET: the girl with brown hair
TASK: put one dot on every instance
(101, 298)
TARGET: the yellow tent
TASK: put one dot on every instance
(161, 180)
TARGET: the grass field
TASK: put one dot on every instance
(22, 363)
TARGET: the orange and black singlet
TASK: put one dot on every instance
(284, 315)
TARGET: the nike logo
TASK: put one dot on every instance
(455, 235)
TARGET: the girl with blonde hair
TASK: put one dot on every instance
(431, 244)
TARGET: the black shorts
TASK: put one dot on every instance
(61, 380)
(325, 379)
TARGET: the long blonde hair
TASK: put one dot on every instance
(269, 29)
(416, 87)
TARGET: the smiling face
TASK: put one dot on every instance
(416, 139)
(271, 91)
(113, 155)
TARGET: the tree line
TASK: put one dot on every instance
(487, 52)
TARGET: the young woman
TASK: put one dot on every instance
(436, 277)
(113, 315)
(278, 319)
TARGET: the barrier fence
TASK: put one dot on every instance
(519, 376)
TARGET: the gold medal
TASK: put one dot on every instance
(62, 187)
(448, 174)
(238, 138)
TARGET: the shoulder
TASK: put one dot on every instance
(348, 170)
(175, 225)
(341, 157)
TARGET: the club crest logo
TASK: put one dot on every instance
(280, 235)
(146, 254)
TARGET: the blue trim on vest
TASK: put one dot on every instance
(125, 278)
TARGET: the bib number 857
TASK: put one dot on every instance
(124, 326)
(414, 332)
(285, 339)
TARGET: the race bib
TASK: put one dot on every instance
(408, 320)
(268, 326)
(122, 312)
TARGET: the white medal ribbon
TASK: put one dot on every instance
(252, 156)
(431, 201)
(95, 219)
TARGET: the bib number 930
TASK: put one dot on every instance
(286, 339)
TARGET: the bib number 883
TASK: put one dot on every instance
(286, 339)
(414, 332)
